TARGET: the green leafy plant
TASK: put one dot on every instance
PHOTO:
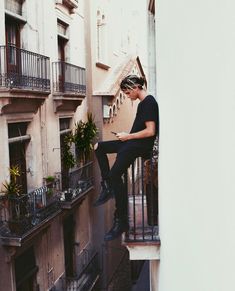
(50, 185)
(49, 192)
(50, 179)
(12, 188)
(13, 194)
(83, 136)
(67, 156)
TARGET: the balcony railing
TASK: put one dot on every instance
(86, 279)
(142, 189)
(21, 214)
(23, 69)
(68, 78)
(80, 182)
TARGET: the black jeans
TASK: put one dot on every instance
(126, 154)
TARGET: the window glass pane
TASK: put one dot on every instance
(64, 123)
(62, 28)
(17, 129)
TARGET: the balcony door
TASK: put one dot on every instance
(18, 141)
(12, 50)
(61, 59)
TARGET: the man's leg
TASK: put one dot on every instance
(101, 151)
(124, 159)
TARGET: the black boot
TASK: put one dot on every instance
(105, 194)
(119, 226)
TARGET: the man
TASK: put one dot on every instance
(128, 147)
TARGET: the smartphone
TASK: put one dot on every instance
(113, 132)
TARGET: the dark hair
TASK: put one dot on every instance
(132, 81)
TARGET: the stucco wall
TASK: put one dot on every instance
(195, 73)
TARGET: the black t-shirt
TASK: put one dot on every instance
(147, 110)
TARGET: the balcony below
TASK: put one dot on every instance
(80, 183)
(25, 216)
(87, 276)
(24, 80)
(69, 86)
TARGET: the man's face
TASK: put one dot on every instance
(131, 93)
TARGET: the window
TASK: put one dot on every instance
(25, 271)
(62, 28)
(18, 141)
(101, 37)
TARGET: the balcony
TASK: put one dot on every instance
(70, 4)
(24, 80)
(88, 273)
(80, 183)
(142, 239)
(24, 216)
(69, 85)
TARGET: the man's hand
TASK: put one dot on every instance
(123, 136)
(147, 132)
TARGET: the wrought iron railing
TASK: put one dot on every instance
(68, 78)
(21, 213)
(23, 69)
(79, 180)
(86, 279)
(142, 188)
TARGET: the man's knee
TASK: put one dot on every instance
(96, 146)
(99, 146)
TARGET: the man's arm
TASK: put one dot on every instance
(147, 132)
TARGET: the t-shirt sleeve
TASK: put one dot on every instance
(150, 111)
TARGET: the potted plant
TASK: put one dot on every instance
(50, 180)
(68, 159)
(15, 202)
(11, 188)
(67, 156)
(83, 136)
(50, 183)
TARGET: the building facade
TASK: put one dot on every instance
(59, 60)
